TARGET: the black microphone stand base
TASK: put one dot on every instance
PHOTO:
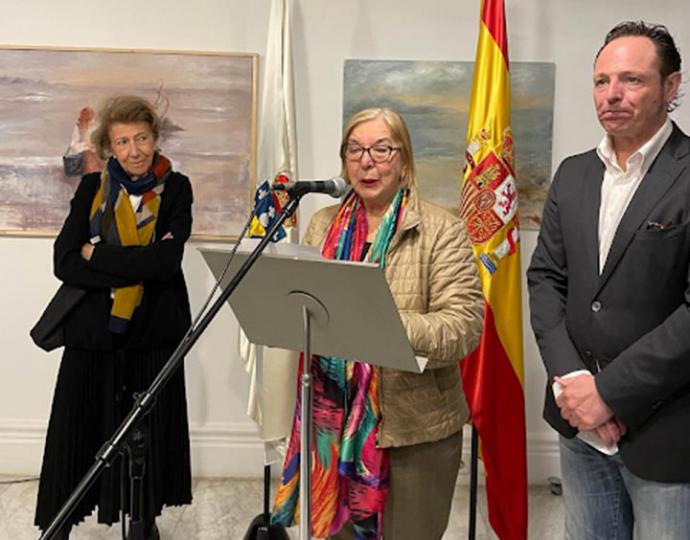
(260, 528)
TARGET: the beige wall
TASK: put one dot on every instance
(326, 32)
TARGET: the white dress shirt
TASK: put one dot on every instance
(620, 185)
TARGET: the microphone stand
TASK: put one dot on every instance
(145, 401)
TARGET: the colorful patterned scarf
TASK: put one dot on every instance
(114, 221)
(349, 474)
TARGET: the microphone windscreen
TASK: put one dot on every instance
(340, 187)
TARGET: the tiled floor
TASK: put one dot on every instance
(223, 509)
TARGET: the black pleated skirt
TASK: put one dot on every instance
(93, 394)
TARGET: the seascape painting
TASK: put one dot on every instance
(434, 99)
(47, 97)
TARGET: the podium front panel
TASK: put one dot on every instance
(362, 321)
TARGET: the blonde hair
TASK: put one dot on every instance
(123, 110)
(399, 134)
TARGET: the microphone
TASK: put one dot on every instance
(335, 187)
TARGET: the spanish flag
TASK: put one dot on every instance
(493, 375)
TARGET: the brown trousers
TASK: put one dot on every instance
(422, 483)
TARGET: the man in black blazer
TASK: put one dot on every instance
(609, 292)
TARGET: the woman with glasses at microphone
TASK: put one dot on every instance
(388, 443)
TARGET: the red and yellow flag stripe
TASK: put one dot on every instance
(493, 374)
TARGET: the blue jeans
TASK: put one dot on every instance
(604, 501)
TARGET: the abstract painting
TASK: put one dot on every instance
(434, 99)
(207, 102)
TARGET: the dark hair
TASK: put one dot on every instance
(666, 50)
(123, 110)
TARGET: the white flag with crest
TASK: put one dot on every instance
(273, 371)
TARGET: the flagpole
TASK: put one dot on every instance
(474, 460)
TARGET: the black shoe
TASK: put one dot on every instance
(151, 529)
(152, 532)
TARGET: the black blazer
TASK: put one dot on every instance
(631, 324)
(164, 315)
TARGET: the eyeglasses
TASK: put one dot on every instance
(378, 154)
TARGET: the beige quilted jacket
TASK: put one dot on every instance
(432, 275)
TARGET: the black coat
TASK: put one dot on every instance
(631, 324)
(164, 315)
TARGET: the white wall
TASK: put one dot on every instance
(567, 32)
